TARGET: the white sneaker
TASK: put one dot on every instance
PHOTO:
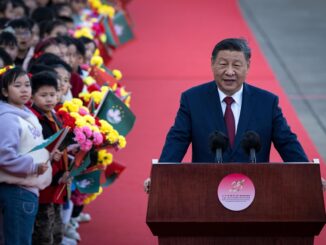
(68, 241)
(83, 217)
(70, 232)
(74, 223)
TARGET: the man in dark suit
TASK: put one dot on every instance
(230, 105)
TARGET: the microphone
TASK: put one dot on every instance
(218, 142)
(251, 144)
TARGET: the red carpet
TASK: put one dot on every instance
(171, 53)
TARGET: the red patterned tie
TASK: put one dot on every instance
(229, 119)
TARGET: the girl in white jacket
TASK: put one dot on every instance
(22, 173)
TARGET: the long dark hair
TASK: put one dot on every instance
(8, 77)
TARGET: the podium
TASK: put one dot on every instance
(183, 206)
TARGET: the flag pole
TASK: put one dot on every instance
(102, 102)
(60, 193)
(58, 143)
(90, 104)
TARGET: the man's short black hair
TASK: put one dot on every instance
(232, 44)
(44, 78)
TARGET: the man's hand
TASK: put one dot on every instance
(323, 183)
(147, 185)
(41, 168)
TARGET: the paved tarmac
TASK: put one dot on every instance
(292, 35)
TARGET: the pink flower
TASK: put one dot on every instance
(79, 136)
(97, 138)
(86, 146)
(82, 111)
(87, 131)
(77, 130)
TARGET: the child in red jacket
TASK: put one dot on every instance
(48, 227)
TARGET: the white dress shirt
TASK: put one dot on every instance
(236, 105)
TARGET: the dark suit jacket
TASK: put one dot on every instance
(200, 114)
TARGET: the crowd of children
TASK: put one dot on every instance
(40, 69)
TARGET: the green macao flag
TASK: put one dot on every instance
(122, 27)
(89, 182)
(48, 142)
(85, 163)
(111, 37)
(113, 110)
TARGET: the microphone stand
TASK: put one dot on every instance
(218, 155)
(253, 155)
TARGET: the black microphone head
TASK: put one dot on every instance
(218, 140)
(251, 140)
